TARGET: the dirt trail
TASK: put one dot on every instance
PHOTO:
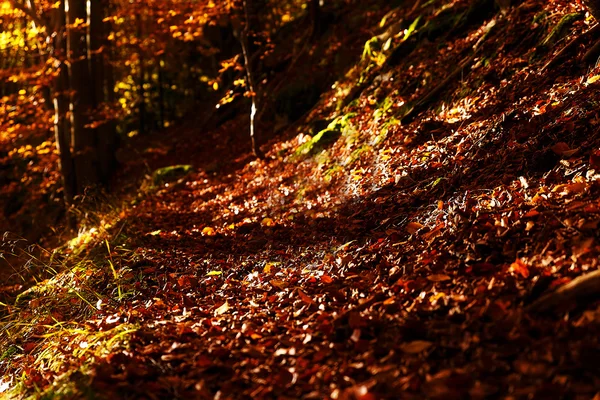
(394, 265)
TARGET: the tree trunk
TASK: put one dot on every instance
(249, 76)
(61, 109)
(83, 138)
(106, 132)
(315, 18)
(161, 92)
(142, 80)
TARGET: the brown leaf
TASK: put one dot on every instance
(434, 232)
(305, 298)
(438, 278)
(570, 188)
(416, 347)
(595, 159)
(562, 149)
(223, 309)
(279, 284)
(519, 267)
(413, 227)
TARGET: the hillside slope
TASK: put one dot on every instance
(387, 247)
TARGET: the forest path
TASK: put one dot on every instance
(392, 265)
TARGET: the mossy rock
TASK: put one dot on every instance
(170, 173)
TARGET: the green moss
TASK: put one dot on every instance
(170, 173)
(356, 154)
(9, 352)
(339, 126)
(332, 172)
(559, 29)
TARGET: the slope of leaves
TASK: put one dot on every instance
(395, 261)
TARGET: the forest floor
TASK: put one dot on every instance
(394, 255)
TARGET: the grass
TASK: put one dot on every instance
(71, 319)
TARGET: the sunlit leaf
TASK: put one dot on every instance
(279, 284)
(208, 231)
(413, 227)
(222, 309)
(268, 222)
(520, 268)
(438, 278)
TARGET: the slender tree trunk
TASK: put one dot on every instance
(106, 132)
(249, 77)
(83, 138)
(142, 80)
(61, 109)
(315, 18)
(161, 92)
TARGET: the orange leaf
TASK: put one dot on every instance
(562, 149)
(305, 298)
(413, 227)
(438, 278)
(519, 267)
(415, 347)
(223, 309)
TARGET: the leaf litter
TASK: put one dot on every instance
(408, 278)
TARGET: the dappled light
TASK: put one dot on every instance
(299, 199)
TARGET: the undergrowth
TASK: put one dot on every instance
(72, 317)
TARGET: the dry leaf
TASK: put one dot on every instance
(208, 231)
(268, 222)
(595, 159)
(579, 186)
(519, 267)
(416, 347)
(305, 298)
(562, 149)
(223, 309)
(434, 232)
(279, 284)
(413, 227)
(438, 278)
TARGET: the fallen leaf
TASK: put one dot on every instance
(595, 159)
(305, 298)
(570, 188)
(208, 231)
(416, 347)
(434, 232)
(413, 227)
(214, 273)
(268, 222)
(531, 213)
(223, 309)
(562, 149)
(438, 278)
(279, 284)
(519, 267)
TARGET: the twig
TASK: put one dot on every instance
(585, 287)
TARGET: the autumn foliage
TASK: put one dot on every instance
(299, 199)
